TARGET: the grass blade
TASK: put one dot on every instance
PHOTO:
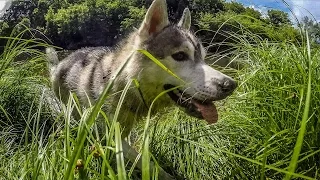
(303, 126)
(119, 153)
(90, 120)
(155, 60)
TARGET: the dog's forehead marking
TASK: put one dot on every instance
(198, 50)
(192, 39)
(188, 48)
(173, 38)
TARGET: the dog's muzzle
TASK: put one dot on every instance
(194, 107)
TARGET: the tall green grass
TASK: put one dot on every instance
(22, 82)
(268, 129)
(64, 148)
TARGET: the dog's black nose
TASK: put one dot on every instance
(228, 85)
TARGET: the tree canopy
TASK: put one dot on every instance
(312, 27)
(77, 23)
(278, 17)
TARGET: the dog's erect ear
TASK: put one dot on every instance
(155, 20)
(185, 21)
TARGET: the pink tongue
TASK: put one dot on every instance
(208, 111)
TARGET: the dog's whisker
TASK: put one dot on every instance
(192, 97)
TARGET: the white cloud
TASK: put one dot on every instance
(262, 9)
(303, 8)
(4, 4)
(300, 8)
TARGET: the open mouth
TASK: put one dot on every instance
(194, 107)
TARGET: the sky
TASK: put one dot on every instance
(3, 5)
(299, 7)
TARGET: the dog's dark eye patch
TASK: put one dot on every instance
(180, 56)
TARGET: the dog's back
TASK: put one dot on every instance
(81, 72)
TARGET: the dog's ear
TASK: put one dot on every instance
(155, 20)
(185, 21)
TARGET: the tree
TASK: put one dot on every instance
(91, 22)
(278, 17)
(312, 27)
(253, 13)
(208, 6)
(72, 24)
(136, 16)
(3, 28)
(18, 11)
(236, 7)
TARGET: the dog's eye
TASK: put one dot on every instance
(180, 56)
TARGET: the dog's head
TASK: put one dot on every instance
(181, 52)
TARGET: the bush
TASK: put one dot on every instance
(22, 87)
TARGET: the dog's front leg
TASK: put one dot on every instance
(132, 154)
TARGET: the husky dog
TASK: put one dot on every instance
(87, 71)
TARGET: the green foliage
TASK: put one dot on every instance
(278, 17)
(77, 23)
(71, 19)
(3, 27)
(210, 6)
(91, 22)
(22, 68)
(18, 11)
(221, 27)
(253, 13)
(235, 7)
(205, 20)
(312, 27)
(135, 18)
(24, 23)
